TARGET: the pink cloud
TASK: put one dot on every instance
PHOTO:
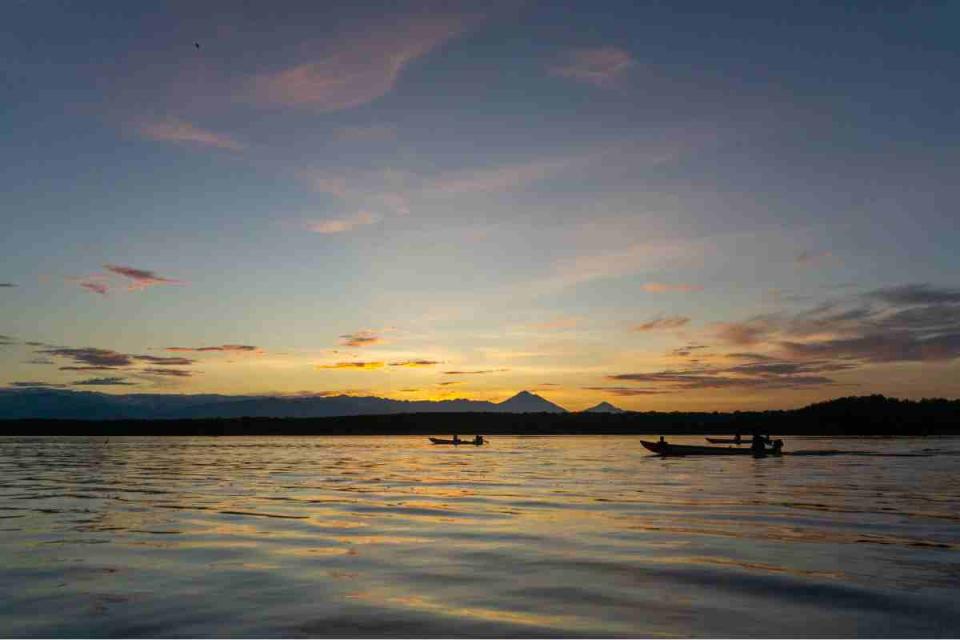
(355, 69)
(812, 259)
(95, 286)
(600, 66)
(340, 225)
(141, 278)
(180, 131)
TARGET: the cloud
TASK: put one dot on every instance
(175, 373)
(355, 69)
(660, 287)
(88, 356)
(415, 363)
(340, 225)
(246, 348)
(686, 350)
(473, 373)
(628, 391)
(449, 383)
(745, 333)
(39, 361)
(180, 131)
(360, 339)
(916, 294)
(599, 66)
(906, 323)
(95, 286)
(660, 323)
(7, 340)
(103, 382)
(89, 368)
(140, 277)
(7, 285)
(782, 376)
(30, 384)
(165, 361)
(353, 365)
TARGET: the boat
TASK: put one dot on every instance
(667, 449)
(729, 440)
(456, 442)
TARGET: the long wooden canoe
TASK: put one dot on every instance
(456, 442)
(667, 449)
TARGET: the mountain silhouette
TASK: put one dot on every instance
(40, 402)
(603, 407)
(526, 402)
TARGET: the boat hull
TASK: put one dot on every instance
(455, 443)
(667, 449)
(729, 440)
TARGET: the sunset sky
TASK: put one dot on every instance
(665, 205)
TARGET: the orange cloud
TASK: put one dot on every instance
(180, 131)
(660, 322)
(661, 287)
(353, 70)
(222, 347)
(415, 363)
(339, 225)
(599, 66)
(362, 366)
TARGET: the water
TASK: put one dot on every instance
(560, 536)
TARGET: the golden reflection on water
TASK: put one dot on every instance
(545, 536)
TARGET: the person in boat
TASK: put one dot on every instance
(758, 444)
(478, 439)
(456, 439)
(736, 438)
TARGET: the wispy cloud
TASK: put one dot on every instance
(362, 366)
(628, 391)
(180, 132)
(165, 361)
(103, 382)
(363, 338)
(499, 178)
(475, 372)
(415, 363)
(599, 66)
(356, 68)
(31, 384)
(93, 284)
(243, 348)
(662, 287)
(340, 225)
(89, 356)
(661, 322)
(7, 285)
(174, 373)
(141, 278)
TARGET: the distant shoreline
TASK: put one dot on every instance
(864, 416)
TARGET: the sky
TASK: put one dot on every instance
(664, 205)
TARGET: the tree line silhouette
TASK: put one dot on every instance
(874, 415)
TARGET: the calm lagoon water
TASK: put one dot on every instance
(539, 536)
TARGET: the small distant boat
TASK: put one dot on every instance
(667, 449)
(456, 442)
(729, 440)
